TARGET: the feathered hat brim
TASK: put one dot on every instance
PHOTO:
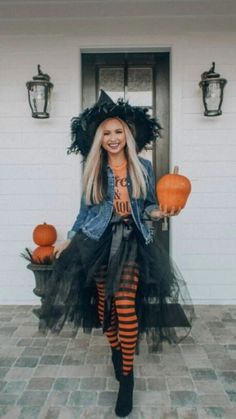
(84, 126)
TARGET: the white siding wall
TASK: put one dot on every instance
(204, 235)
(39, 182)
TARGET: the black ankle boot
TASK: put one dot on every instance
(117, 362)
(124, 403)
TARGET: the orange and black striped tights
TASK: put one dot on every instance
(123, 331)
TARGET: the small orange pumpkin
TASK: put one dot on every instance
(173, 190)
(43, 254)
(44, 234)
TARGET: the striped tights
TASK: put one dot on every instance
(123, 331)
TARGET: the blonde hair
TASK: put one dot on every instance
(92, 178)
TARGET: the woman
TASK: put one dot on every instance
(112, 271)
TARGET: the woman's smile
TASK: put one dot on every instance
(114, 145)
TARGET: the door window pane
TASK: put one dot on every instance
(140, 94)
(140, 86)
(111, 79)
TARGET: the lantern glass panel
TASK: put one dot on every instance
(213, 96)
(37, 98)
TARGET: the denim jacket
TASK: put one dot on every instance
(93, 219)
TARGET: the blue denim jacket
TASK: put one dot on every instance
(93, 219)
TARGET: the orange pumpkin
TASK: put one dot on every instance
(43, 254)
(44, 234)
(173, 190)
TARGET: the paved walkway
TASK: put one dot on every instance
(59, 377)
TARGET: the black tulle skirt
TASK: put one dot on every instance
(163, 304)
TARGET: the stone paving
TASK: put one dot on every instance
(64, 377)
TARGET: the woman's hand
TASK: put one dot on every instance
(162, 212)
(174, 211)
(60, 247)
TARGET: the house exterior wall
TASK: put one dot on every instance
(39, 182)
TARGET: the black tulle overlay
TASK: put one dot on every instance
(163, 304)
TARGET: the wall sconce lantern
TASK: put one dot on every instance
(39, 92)
(212, 91)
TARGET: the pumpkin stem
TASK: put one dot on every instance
(176, 170)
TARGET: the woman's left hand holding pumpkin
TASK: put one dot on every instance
(162, 212)
(174, 211)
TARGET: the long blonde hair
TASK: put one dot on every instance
(97, 158)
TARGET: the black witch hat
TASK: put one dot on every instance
(84, 126)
